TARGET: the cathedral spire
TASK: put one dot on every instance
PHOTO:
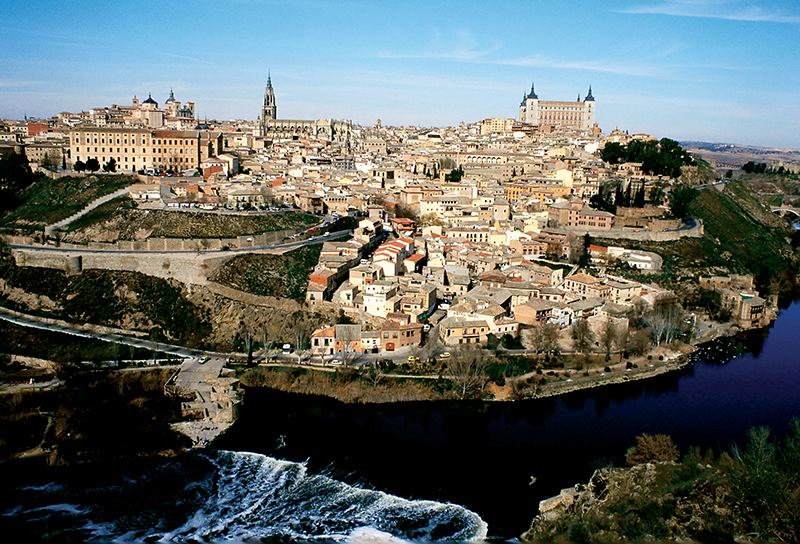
(533, 93)
(589, 97)
(269, 111)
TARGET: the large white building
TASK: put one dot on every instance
(136, 149)
(578, 114)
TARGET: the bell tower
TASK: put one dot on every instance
(270, 110)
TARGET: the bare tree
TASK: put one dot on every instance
(608, 335)
(301, 334)
(622, 339)
(269, 351)
(375, 374)
(638, 342)
(542, 338)
(349, 335)
(664, 320)
(582, 335)
(467, 369)
(431, 219)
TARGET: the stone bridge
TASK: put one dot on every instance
(783, 210)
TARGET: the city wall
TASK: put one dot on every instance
(186, 268)
(164, 244)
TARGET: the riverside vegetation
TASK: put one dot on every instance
(750, 493)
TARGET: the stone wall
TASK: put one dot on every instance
(643, 235)
(165, 244)
(188, 268)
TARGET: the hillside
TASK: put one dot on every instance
(120, 299)
(116, 220)
(747, 236)
(271, 275)
(48, 200)
(741, 236)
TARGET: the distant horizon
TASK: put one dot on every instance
(432, 127)
(702, 70)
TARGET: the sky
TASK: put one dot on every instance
(706, 70)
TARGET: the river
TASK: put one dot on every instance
(307, 468)
(483, 455)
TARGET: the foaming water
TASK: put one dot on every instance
(233, 496)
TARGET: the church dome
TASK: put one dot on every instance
(150, 100)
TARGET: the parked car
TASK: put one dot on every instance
(413, 359)
(335, 362)
(444, 355)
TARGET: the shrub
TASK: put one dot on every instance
(652, 449)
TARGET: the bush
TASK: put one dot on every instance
(652, 449)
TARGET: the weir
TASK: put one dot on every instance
(210, 398)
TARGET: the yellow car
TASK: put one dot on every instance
(413, 359)
(444, 355)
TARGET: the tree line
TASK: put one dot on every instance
(659, 158)
(15, 176)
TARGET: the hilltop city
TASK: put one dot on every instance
(502, 260)
(480, 227)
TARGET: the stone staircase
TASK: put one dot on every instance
(48, 230)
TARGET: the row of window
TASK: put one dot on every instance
(143, 151)
(156, 141)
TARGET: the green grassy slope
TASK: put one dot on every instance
(50, 200)
(742, 227)
(271, 275)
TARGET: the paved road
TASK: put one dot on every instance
(267, 247)
(45, 324)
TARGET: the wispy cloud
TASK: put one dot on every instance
(460, 54)
(734, 10)
(633, 69)
(19, 82)
(461, 46)
(187, 58)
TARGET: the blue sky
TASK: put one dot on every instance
(712, 70)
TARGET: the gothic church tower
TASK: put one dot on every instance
(269, 112)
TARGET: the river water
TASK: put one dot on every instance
(307, 468)
(483, 455)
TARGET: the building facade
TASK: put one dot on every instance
(578, 114)
(136, 149)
